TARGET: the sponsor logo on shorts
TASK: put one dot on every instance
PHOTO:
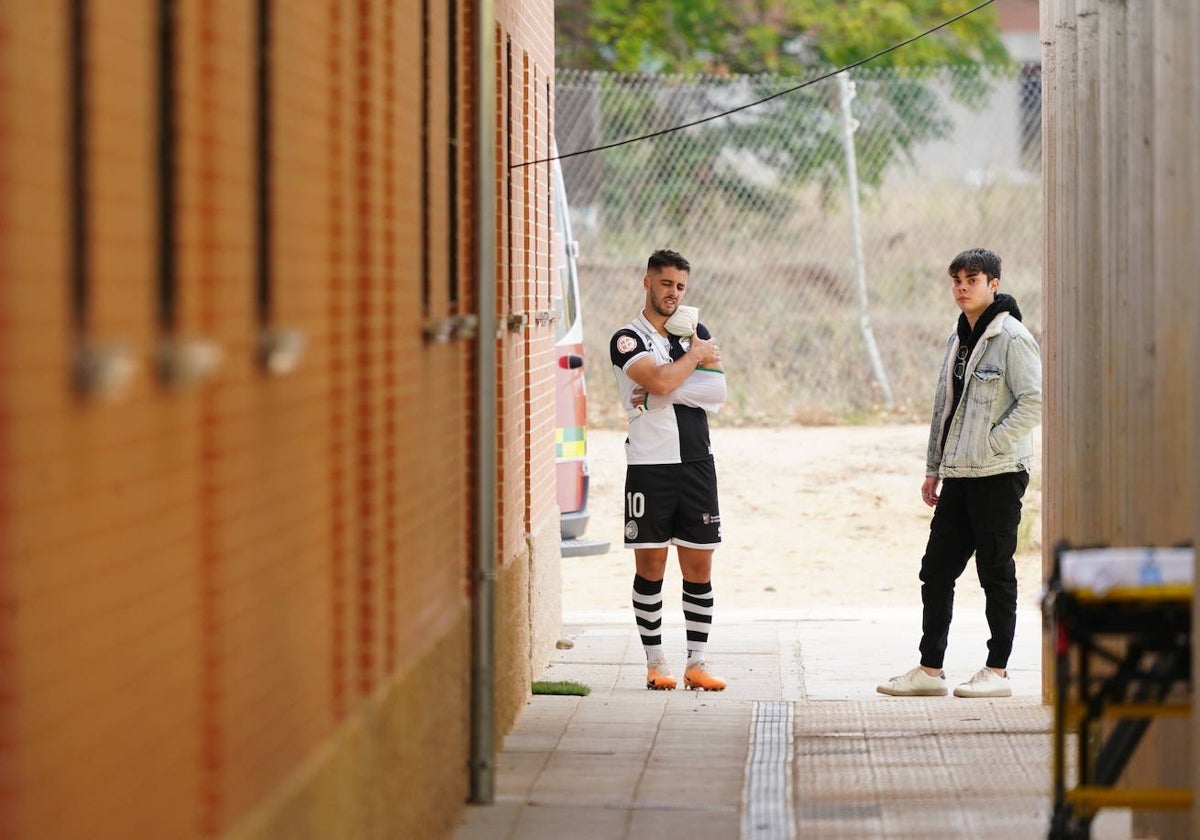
(631, 530)
(710, 519)
(626, 344)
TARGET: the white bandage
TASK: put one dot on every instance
(683, 322)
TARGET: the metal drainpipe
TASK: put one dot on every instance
(482, 645)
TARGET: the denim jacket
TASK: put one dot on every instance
(991, 431)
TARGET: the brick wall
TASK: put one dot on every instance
(217, 590)
(528, 521)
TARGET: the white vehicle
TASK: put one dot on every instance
(570, 436)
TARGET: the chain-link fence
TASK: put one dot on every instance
(831, 303)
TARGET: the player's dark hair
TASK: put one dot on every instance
(977, 259)
(663, 258)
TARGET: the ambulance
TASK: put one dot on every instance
(570, 436)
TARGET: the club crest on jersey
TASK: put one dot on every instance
(626, 344)
(631, 529)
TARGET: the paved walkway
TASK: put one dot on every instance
(799, 745)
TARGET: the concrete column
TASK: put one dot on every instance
(1177, 305)
(1177, 248)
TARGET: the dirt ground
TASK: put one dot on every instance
(811, 517)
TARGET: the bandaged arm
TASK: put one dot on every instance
(705, 388)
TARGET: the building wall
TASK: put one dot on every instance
(1017, 15)
(1122, 183)
(529, 543)
(237, 599)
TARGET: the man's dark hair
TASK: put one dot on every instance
(663, 258)
(977, 259)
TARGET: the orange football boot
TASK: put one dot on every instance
(658, 676)
(698, 678)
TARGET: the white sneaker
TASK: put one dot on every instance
(916, 683)
(985, 683)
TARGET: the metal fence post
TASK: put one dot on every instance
(846, 89)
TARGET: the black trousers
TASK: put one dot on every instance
(973, 516)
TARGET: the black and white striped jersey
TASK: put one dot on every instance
(665, 428)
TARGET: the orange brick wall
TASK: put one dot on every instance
(205, 586)
(525, 71)
(528, 514)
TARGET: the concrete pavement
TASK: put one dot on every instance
(799, 745)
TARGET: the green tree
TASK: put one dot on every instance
(784, 37)
(771, 45)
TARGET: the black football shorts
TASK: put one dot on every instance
(669, 504)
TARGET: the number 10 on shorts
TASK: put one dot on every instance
(635, 505)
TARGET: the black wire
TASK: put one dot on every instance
(758, 102)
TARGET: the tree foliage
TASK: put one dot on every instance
(785, 37)
(761, 47)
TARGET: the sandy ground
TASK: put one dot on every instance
(811, 517)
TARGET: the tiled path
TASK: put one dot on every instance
(799, 745)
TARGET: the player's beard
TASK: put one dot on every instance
(660, 306)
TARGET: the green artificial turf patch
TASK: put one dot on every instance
(561, 687)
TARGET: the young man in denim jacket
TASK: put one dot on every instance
(988, 400)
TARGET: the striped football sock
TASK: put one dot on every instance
(697, 615)
(647, 611)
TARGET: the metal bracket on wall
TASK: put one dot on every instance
(443, 330)
(518, 321)
(468, 326)
(104, 371)
(438, 330)
(185, 363)
(280, 350)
